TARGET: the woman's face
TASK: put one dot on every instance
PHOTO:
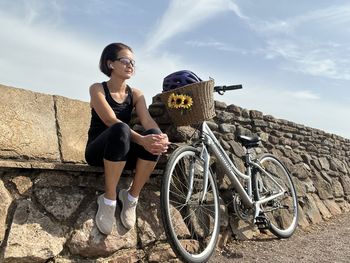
(124, 66)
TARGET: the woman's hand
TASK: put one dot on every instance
(156, 143)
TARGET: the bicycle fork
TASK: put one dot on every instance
(204, 155)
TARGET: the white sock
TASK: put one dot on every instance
(131, 198)
(109, 202)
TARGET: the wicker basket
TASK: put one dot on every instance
(203, 103)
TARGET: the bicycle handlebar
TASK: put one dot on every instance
(221, 89)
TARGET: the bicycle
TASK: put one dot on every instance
(264, 194)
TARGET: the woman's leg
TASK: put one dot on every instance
(145, 164)
(109, 149)
(112, 171)
(143, 171)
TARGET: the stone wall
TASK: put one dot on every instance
(49, 195)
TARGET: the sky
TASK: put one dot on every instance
(292, 57)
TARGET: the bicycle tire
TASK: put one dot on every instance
(191, 232)
(282, 212)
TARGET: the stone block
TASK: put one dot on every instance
(87, 241)
(345, 181)
(27, 125)
(73, 119)
(149, 218)
(322, 208)
(33, 237)
(311, 210)
(5, 203)
(62, 203)
(243, 230)
(332, 206)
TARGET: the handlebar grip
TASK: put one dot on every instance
(222, 89)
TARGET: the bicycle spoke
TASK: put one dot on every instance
(192, 225)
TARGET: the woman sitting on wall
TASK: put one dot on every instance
(112, 144)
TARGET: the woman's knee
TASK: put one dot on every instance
(120, 134)
(152, 131)
(120, 128)
(118, 143)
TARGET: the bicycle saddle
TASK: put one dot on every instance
(249, 141)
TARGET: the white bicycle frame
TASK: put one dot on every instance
(232, 172)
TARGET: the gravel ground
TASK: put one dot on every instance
(325, 242)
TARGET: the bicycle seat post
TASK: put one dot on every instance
(247, 157)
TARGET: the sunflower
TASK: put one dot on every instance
(179, 101)
(171, 100)
(187, 102)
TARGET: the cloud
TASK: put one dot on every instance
(298, 46)
(182, 16)
(218, 46)
(302, 107)
(40, 58)
(304, 94)
(309, 57)
(330, 16)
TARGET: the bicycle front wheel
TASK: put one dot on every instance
(282, 211)
(191, 222)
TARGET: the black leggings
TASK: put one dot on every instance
(114, 144)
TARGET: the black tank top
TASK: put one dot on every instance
(122, 112)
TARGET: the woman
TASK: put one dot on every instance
(112, 144)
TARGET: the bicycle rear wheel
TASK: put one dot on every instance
(282, 212)
(191, 225)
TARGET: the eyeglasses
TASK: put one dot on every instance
(126, 61)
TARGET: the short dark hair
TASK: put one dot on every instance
(110, 52)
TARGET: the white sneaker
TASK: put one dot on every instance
(105, 216)
(128, 213)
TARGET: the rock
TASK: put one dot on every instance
(23, 185)
(28, 129)
(301, 171)
(87, 241)
(161, 253)
(123, 256)
(243, 230)
(224, 117)
(337, 188)
(315, 162)
(60, 202)
(332, 207)
(237, 148)
(149, 218)
(309, 186)
(337, 165)
(220, 105)
(157, 109)
(302, 219)
(324, 188)
(212, 125)
(345, 182)
(181, 133)
(5, 203)
(73, 121)
(343, 205)
(322, 208)
(33, 237)
(227, 128)
(311, 210)
(53, 179)
(324, 163)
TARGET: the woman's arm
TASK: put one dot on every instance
(160, 141)
(146, 120)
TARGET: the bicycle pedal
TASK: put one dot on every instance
(262, 222)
